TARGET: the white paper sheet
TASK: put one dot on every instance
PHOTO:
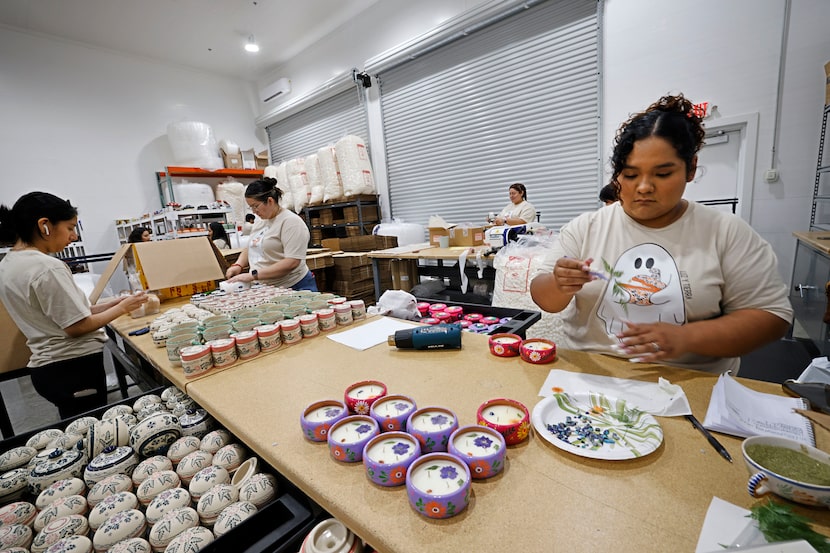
(371, 334)
(660, 398)
(723, 522)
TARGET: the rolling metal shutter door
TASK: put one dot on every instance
(517, 101)
(325, 122)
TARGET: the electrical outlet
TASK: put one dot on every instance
(771, 175)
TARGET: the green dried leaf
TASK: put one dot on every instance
(779, 523)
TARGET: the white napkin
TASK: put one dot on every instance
(661, 399)
(817, 371)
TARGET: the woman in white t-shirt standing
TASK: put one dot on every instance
(279, 240)
(64, 333)
(519, 211)
(657, 278)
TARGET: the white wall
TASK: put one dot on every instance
(727, 53)
(91, 125)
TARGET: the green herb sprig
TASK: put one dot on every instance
(779, 523)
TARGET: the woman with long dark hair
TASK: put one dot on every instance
(64, 333)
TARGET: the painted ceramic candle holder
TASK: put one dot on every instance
(318, 417)
(505, 345)
(438, 485)
(387, 457)
(538, 351)
(392, 411)
(433, 427)
(481, 447)
(360, 396)
(508, 417)
(349, 436)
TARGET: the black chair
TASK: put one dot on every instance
(538, 216)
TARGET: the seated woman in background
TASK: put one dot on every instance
(139, 234)
(217, 233)
(608, 194)
(277, 249)
(519, 211)
(248, 225)
(657, 278)
(64, 333)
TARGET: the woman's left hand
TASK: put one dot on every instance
(651, 342)
(242, 277)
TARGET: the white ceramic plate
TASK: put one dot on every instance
(631, 433)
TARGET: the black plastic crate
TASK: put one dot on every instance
(520, 319)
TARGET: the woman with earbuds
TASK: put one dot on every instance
(64, 333)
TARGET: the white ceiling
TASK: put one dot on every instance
(202, 34)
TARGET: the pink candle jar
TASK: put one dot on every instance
(464, 324)
(505, 345)
(348, 437)
(387, 457)
(196, 360)
(442, 317)
(358, 309)
(343, 314)
(269, 337)
(423, 308)
(326, 319)
(433, 427)
(223, 351)
(291, 333)
(429, 321)
(481, 448)
(538, 351)
(489, 320)
(336, 301)
(455, 311)
(309, 325)
(247, 344)
(360, 396)
(318, 417)
(392, 411)
(436, 307)
(438, 485)
(473, 317)
(508, 417)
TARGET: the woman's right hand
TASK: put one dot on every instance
(571, 274)
(133, 301)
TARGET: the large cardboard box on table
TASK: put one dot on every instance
(172, 268)
(466, 236)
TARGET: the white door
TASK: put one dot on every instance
(717, 179)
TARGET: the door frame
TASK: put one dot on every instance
(747, 124)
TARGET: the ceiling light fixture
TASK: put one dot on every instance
(251, 46)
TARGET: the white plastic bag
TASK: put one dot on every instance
(396, 303)
(817, 371)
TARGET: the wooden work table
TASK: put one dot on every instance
(545, 500)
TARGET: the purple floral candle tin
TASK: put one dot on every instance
(438, 485)
(391, 412)
(349, 436)
(318, 417)
(432, 426)
(387, 457)
(481, 448)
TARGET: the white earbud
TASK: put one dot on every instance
(45, 230)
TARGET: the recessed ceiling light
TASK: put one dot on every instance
(251, 46)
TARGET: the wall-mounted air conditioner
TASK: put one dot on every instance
(274, 90)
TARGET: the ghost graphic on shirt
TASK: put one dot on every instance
(644, 288)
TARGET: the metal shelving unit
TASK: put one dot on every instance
(820, 215)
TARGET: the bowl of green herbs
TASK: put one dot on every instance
(787, 468)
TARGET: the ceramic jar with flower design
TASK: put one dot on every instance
(349, 436)
(392, 412)
(387, 457)
(438, 485)
(482, 448)
(317, 418)
(432, 426)
(113, 460)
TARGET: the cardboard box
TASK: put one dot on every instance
(827, 84)
(261, 159)
(173, 268)
(331, 243)
(435, 233)
(231, 161)
(404, 274)
(466, 236)
(14, 353)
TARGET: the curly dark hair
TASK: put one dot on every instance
(263, 189)
(671, 118)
